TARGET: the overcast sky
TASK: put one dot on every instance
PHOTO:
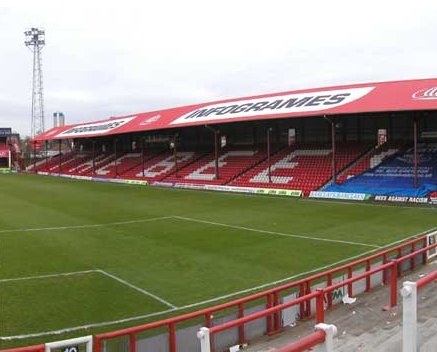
(112, 58)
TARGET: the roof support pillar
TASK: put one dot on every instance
(415, 150)
(333, 147)
(94, 156)
(34, 156)
(115, 157)
(60, 156)
(47, 155)
(216, 150)
(175, 155)
(143, 142)
(269, 129)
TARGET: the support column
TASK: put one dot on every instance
(333, 147)
(142, 153)
(47, 155)
(175, 153)
(204, 338)
(216, 155)
(216, 150)
(409, 317)
(60, 157)
(94, 157)
(269, 129)
(115, 156)
(330, 331)
(415, 151)
(334, 165)
(34, 156)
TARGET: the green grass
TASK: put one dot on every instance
(181, 261)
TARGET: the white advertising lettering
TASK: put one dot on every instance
(280, 104)
(426, 94)
(95, 128)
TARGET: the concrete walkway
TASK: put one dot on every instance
(364, 326)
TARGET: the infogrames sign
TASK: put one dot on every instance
(279, 104)
(94, 128)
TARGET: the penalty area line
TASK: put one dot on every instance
(60, 228)
(136, 288)
(197, 304)
(48, 276)
(277, 233)
(99, 271)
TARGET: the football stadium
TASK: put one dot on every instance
(209, 226)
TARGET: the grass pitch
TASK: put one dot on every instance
(75, 253)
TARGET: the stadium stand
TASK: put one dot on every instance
(375, 157)
(160, 166)
(305, 167)
(231, 164)
(394, 176)
(123, 163)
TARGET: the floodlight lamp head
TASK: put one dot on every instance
(35, 36)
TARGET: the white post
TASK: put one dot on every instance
(10, 161)
(331, 332)
(70, 343)
(203, 336)
(409, 317)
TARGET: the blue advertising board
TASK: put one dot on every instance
(5, 131)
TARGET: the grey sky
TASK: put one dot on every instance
(111, 58)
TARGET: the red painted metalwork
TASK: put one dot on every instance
(241, 334)
(349, 276)
(365, 275)
(272, 297)
(384, 273)
(258, 315)
(329, 283)
(320, 309)
(303, 285)
(394, 284)
(368, 268)
(415, 161)
(413, 259)
(132, 343)
(36, 348)
(306, 342)
(269, 320)
(172, 336)
(426, 280)
(302, 305)
(358, 98)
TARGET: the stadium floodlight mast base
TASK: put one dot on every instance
(35, 41)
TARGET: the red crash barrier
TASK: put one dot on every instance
(36, 348)
(272, 297)
(310, 341)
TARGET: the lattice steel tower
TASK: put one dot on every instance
(35, 41)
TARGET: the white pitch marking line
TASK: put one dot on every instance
(136, 288)
(37, 277)
(150, 315)
(85, 226)
(102, 272)
(276, 233)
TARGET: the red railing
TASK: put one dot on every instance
(272, 297)
(306, 342)
(426, 280)
(36, 348)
